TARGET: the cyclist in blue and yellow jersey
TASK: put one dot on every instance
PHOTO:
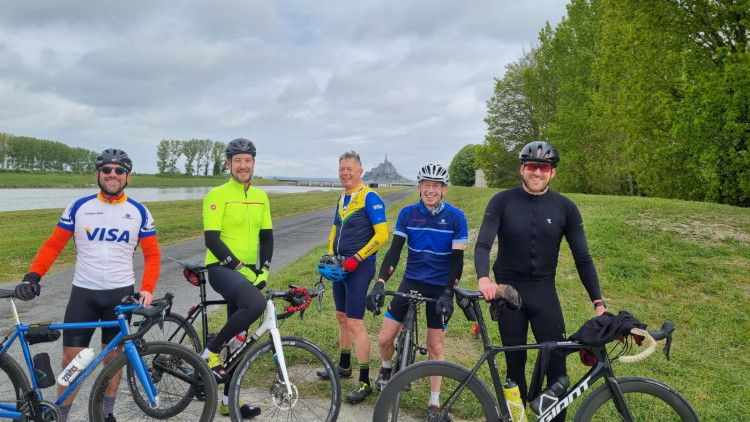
(106, 228)
(436, 234)
(239, 238)
(529, 222)
(359, 230)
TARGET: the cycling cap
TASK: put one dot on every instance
(114, 156)
(539, 152)
(434, 172)
(240, 146)
(330, 267)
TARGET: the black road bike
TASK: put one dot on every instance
(465, 396)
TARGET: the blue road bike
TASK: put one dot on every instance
(163, 381)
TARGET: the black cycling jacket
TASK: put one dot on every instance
(529, 229)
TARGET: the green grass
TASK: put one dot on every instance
(660, 259)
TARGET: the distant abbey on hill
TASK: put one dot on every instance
(385, 173)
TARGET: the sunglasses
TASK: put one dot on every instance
(544, 168)
(118, 170)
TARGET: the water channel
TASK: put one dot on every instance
(41, 198)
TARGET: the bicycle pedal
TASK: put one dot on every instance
(422, 351)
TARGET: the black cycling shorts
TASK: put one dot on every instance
(399, 306)
(87, 305)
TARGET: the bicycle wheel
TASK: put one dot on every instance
(185, 384)
(647, 399)
(176, 330)
(13, 382)
(404, 351)
(256, 382)
(474, 403)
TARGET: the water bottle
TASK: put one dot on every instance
(76, 366)
(232, 345)
(513, 399)
(551, 395)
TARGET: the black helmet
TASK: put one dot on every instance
(539, 152)
(114, 156)
(240, 146)
(434, 172)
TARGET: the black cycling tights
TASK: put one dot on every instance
(245, 303)
(541, 309)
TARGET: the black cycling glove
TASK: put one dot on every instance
(444, 305)
(376, 298)
(29, 287)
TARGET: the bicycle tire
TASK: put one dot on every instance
(256, 382)
(185, 384)
(475, 402)
(175, 329)
(13, 381)
(404, 351)
(648, 400)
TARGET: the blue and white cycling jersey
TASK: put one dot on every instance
(430, 236)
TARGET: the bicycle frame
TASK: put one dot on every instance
(7, 411)
(602, 369)
(198, 276)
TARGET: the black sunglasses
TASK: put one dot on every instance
(118, 170)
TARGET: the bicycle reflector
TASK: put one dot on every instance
(330, 267)
(192, 277)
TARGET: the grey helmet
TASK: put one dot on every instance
(434, 172)
(539, 152)
(240, 146)
(114, 156)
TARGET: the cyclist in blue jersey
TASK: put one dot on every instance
(529, 222)
(359, 230)
(436, 234)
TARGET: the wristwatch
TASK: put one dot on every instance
(599, 303)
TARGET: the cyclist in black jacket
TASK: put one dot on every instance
(529, 222)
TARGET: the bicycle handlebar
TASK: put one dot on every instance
(294, 294)
(416, 297)
(153, 314)
(650, 346)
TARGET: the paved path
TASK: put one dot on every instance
(293, 237)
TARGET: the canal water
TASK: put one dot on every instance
(41, 198)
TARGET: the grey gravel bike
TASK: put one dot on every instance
(465, 396)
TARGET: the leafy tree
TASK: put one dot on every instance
(217, 152)
(190, 149)
(162, 156)
(511, 121)
(462, 169)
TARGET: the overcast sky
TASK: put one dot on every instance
(305, 80)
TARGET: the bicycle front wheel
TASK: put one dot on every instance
(463, 397)
(647, 399)
(183, 381)
(175, 329)
(13, 382)
(257, 382)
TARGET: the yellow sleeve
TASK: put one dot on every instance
(330, 239)
(377, 241)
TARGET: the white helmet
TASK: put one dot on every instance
(434, 172)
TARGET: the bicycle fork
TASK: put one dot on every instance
(270, 324)
(141, 371)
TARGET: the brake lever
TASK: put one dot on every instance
(320, 285)
(667, 345)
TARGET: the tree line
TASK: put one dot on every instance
(201, 156)
(197, 156)
(23, 152)
(648, 97)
